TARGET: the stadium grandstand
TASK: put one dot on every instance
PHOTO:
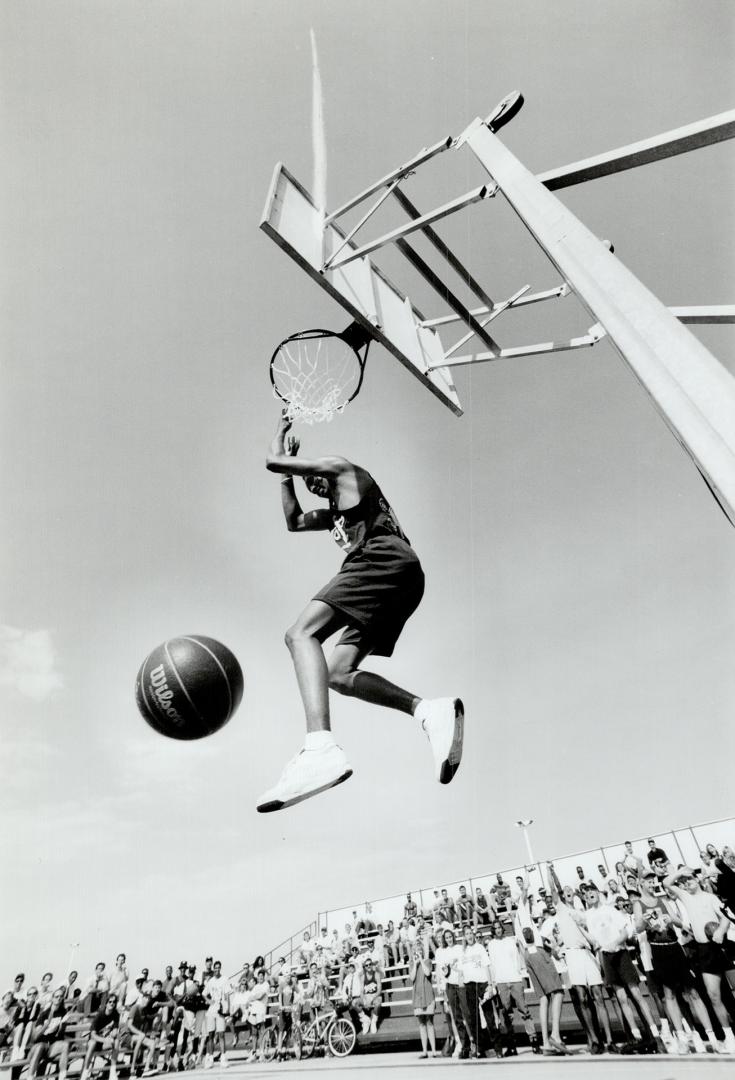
(347, 981)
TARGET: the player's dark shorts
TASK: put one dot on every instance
(712, 958)
(377, 590)
(619, 970)
(670, 965)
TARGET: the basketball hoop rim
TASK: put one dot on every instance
(319, 332)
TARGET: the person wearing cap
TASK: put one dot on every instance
(610, 929)
(702, 909)
(195, 1013)
(372, 997)
(657, 919)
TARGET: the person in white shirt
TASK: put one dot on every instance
(350, 994)
(217, 992)
(563, 928)
(610, 929)
(119, 978)
(257, 1008)
(306, 950)
(474, 966)
(508, 973)
(449, 982)
(45, 993)
(704, 908)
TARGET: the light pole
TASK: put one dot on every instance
(524, 825)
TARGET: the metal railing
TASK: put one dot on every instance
(684, 845)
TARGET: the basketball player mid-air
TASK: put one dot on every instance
(379, 585)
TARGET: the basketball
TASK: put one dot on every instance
(189, 687)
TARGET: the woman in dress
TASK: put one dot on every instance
(547, 984)
(424, 1002)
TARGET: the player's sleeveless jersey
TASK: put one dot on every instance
(371, 517)
(380, 582)
(370, 985)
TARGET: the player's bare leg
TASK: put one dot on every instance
(321, 763)
(441, 718)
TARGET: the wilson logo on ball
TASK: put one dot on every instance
(163, 695)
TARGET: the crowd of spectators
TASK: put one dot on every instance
(655, 940)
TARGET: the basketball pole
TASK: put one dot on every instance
(689, 387)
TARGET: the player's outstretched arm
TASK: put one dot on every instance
(296, 519)
(280, 460)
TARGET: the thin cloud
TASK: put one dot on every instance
(28, 662)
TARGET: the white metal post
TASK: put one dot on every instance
(693, 392)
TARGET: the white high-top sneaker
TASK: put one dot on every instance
(307, 774)
(443, 721)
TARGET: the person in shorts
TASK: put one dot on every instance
(216, 993)
(372, 997)
(656, 917)
(709, 922)
(50, 1042)
(379, 586)
(103, 1034)
(563, 926)
(611, 930)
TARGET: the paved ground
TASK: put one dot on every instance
(527, 1066)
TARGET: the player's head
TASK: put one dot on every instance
(498, 929)
(317, 485)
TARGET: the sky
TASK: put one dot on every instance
(580, 578)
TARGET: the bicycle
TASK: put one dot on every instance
(274, 1043)
(328, 1032)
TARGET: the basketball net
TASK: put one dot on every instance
(316, 374)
